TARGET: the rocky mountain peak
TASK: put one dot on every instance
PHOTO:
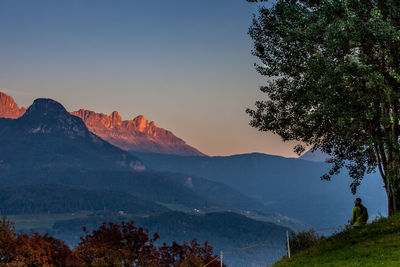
(8, 107)
(138, 134)
(116, 119)
(46, 116)
(46, 107)
(141, 123)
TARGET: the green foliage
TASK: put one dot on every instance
(303, 240)
(376, 244)
(333, 69)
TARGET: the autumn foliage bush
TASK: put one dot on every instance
(110, 245)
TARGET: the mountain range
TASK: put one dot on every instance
(138, 134)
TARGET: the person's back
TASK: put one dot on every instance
(359, 215)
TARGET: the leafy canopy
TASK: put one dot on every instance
(333, 80)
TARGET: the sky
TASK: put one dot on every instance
(184, 64)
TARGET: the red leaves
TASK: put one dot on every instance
(109, 245)
(127, 245)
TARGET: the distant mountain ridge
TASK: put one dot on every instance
(138, 134)
(316, 156)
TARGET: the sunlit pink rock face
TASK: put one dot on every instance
(138, 134)
(8, 107)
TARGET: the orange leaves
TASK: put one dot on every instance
(109, 245)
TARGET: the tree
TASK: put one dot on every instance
(188, 255)
(35, 250)
(110, 245)
(38, 250)
(127, 245)
(117, 245)
(334, 83)
(7, 241)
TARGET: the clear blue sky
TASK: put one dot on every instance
(186, 65)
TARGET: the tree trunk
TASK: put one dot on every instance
(394, 204)
(396, 199)
(393, 192)
(390, 202)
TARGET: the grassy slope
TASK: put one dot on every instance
(377, 244)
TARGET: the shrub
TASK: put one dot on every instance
(110, 245)
(303, 240)
(7, 241)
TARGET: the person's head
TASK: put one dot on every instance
(357, 202)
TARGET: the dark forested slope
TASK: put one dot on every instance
(36, 199)
(288, 186)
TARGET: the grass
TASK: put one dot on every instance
(36, 221)
(377, 244)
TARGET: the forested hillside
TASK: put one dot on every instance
(287, 186)
(40, 199)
